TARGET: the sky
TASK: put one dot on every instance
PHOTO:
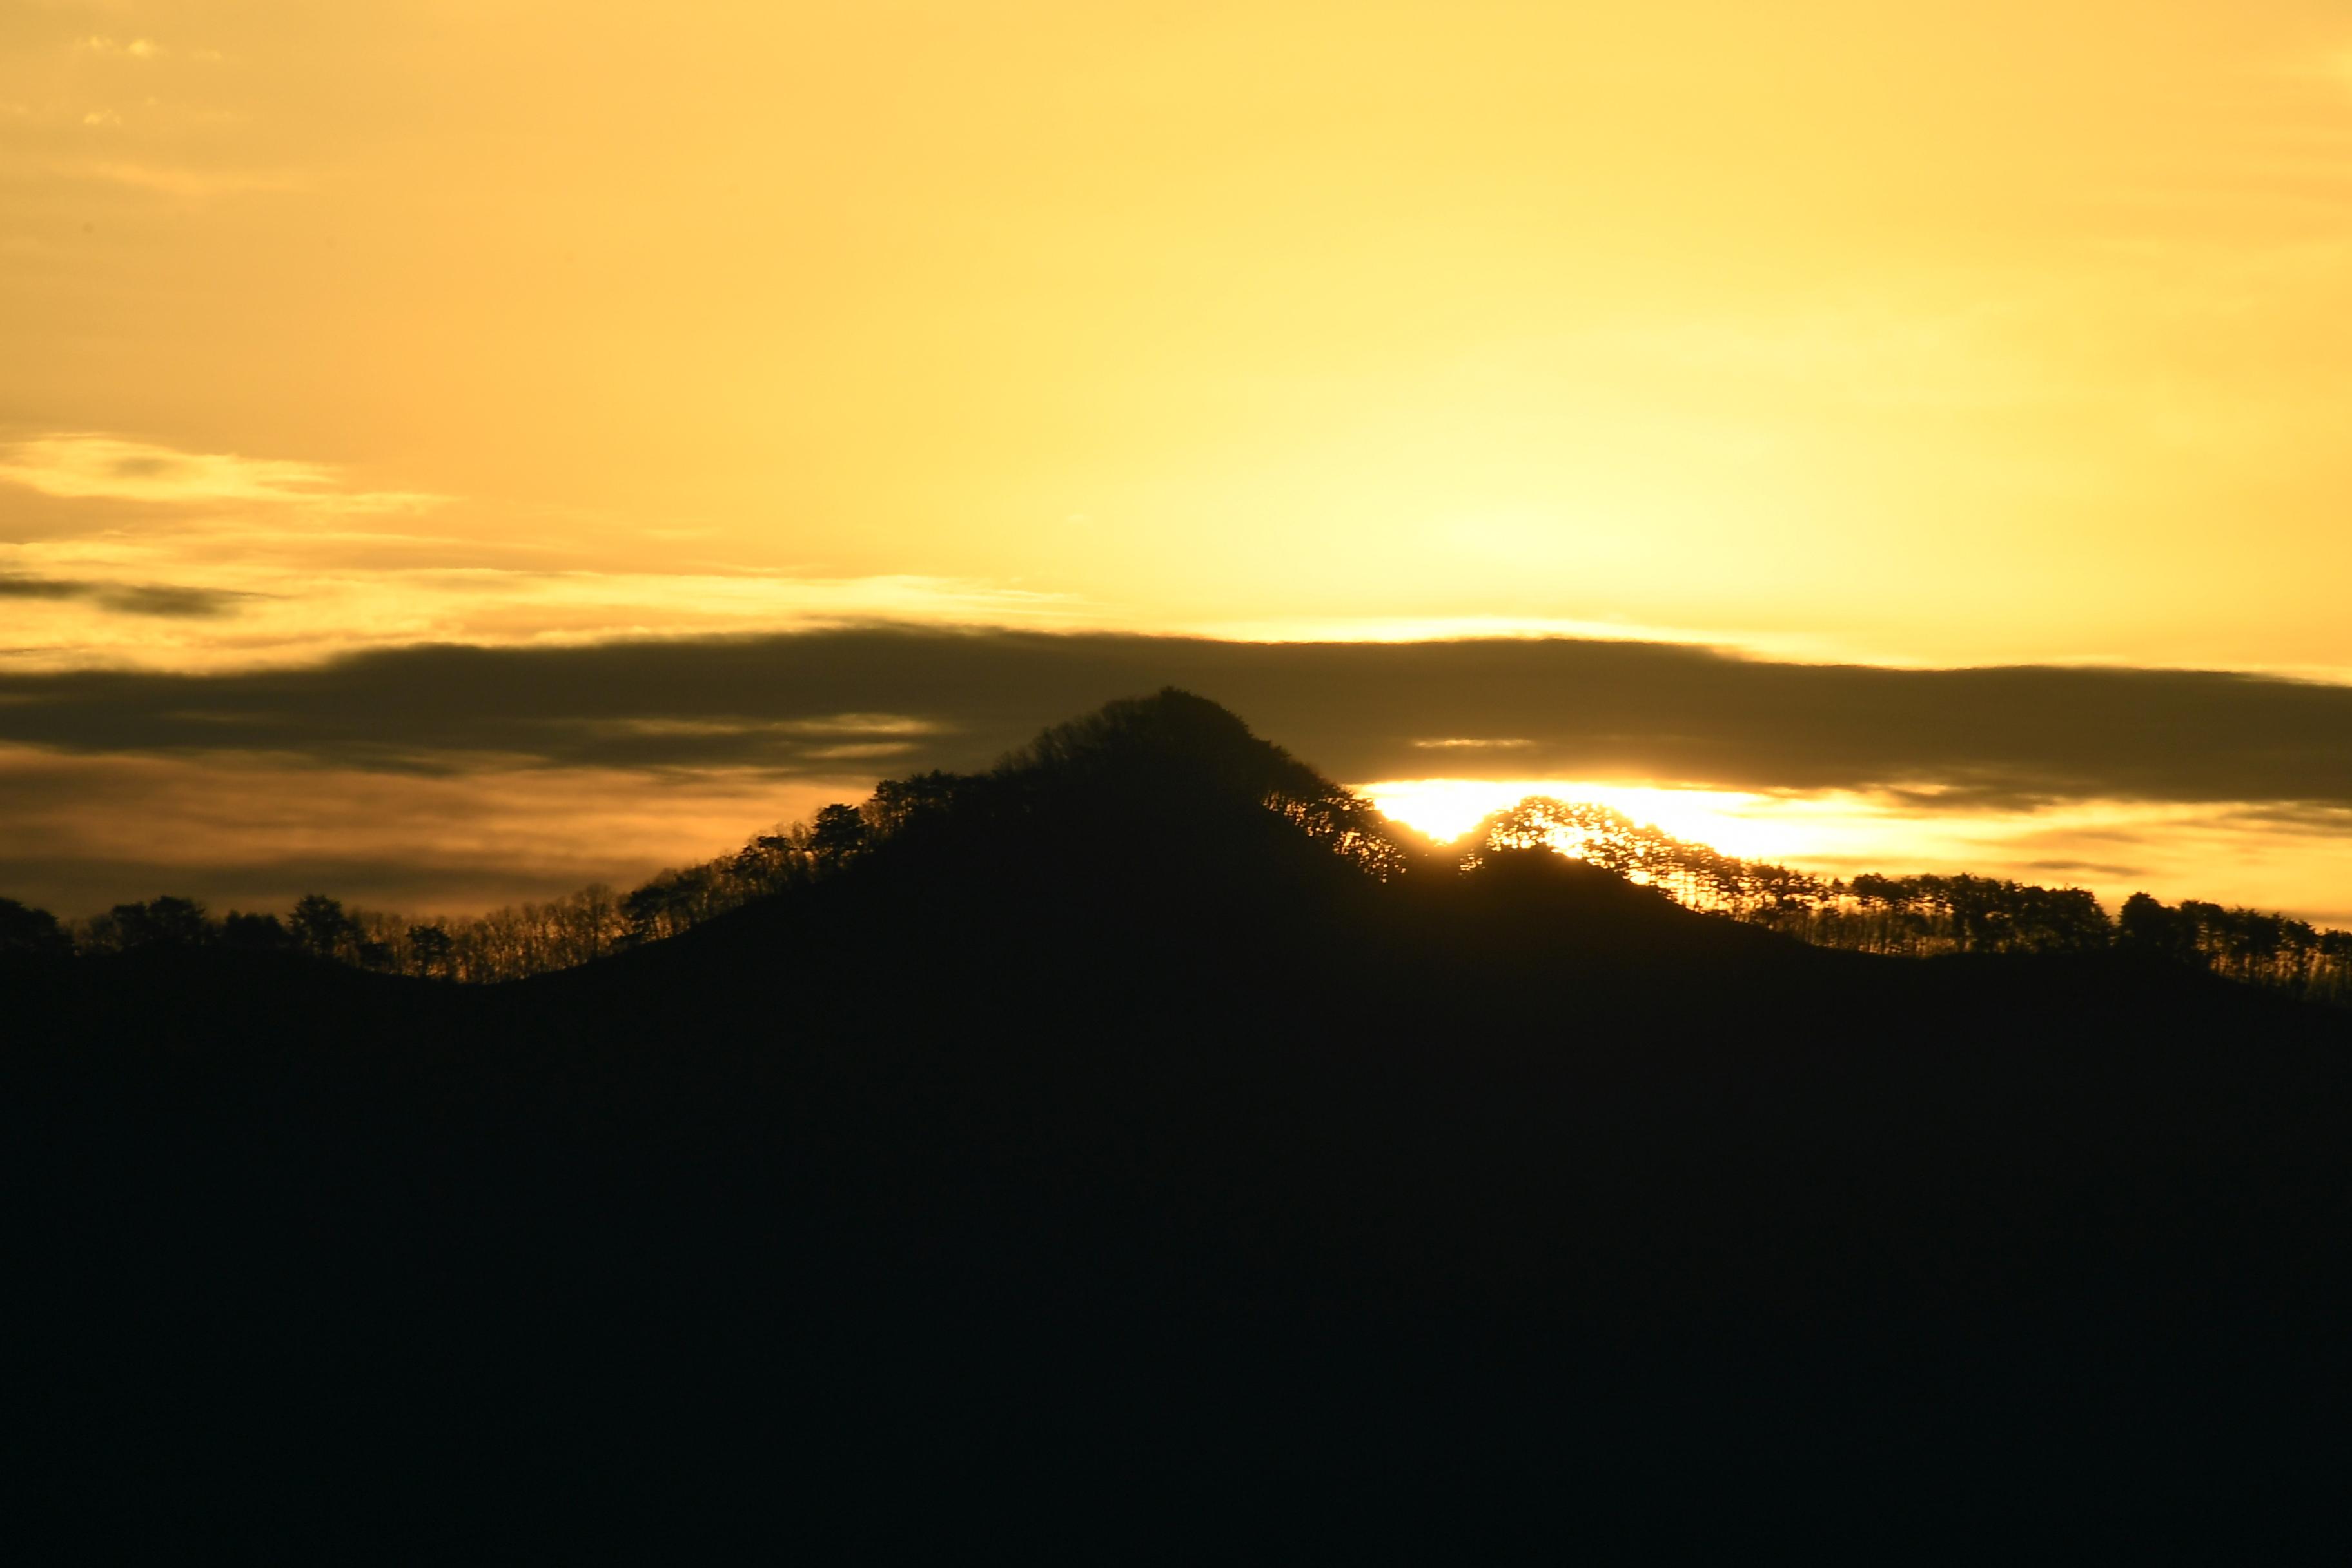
(1823, 336)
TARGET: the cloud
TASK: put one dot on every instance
(81, 833)
(171, 601)
(85, 466)
(459, 778)
(41, 588)
(317, 565)
(2086, 868)
(1954, 740)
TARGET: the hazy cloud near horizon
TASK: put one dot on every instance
(168, 600)
(884, 701)
(456, 778)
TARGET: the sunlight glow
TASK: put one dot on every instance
(1733, 822)
(2297, 862)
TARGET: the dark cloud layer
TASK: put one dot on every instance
(126, 598)
(878, 700)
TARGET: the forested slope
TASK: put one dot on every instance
(1120, 1127)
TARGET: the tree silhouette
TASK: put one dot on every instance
(258, 934)
(895, 803)
(27, 930)
(322, 928)
(837, 836)
(166, 922)
(432, 952)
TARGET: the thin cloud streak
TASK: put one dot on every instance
(169, 601)
(88, 466)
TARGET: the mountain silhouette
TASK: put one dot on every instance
(1139, 1120)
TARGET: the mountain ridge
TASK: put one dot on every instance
(1104, 1116)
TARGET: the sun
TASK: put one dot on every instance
(1735, 822)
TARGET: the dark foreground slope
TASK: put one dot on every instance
(1103, 1157)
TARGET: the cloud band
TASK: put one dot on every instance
(885, 699)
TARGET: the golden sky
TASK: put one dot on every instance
(1923, 333)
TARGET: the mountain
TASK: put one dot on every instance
(1134, 1137)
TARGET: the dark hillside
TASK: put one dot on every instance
(1136, 1121)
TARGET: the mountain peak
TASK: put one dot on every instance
(1172, 774)
(1174, 734)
